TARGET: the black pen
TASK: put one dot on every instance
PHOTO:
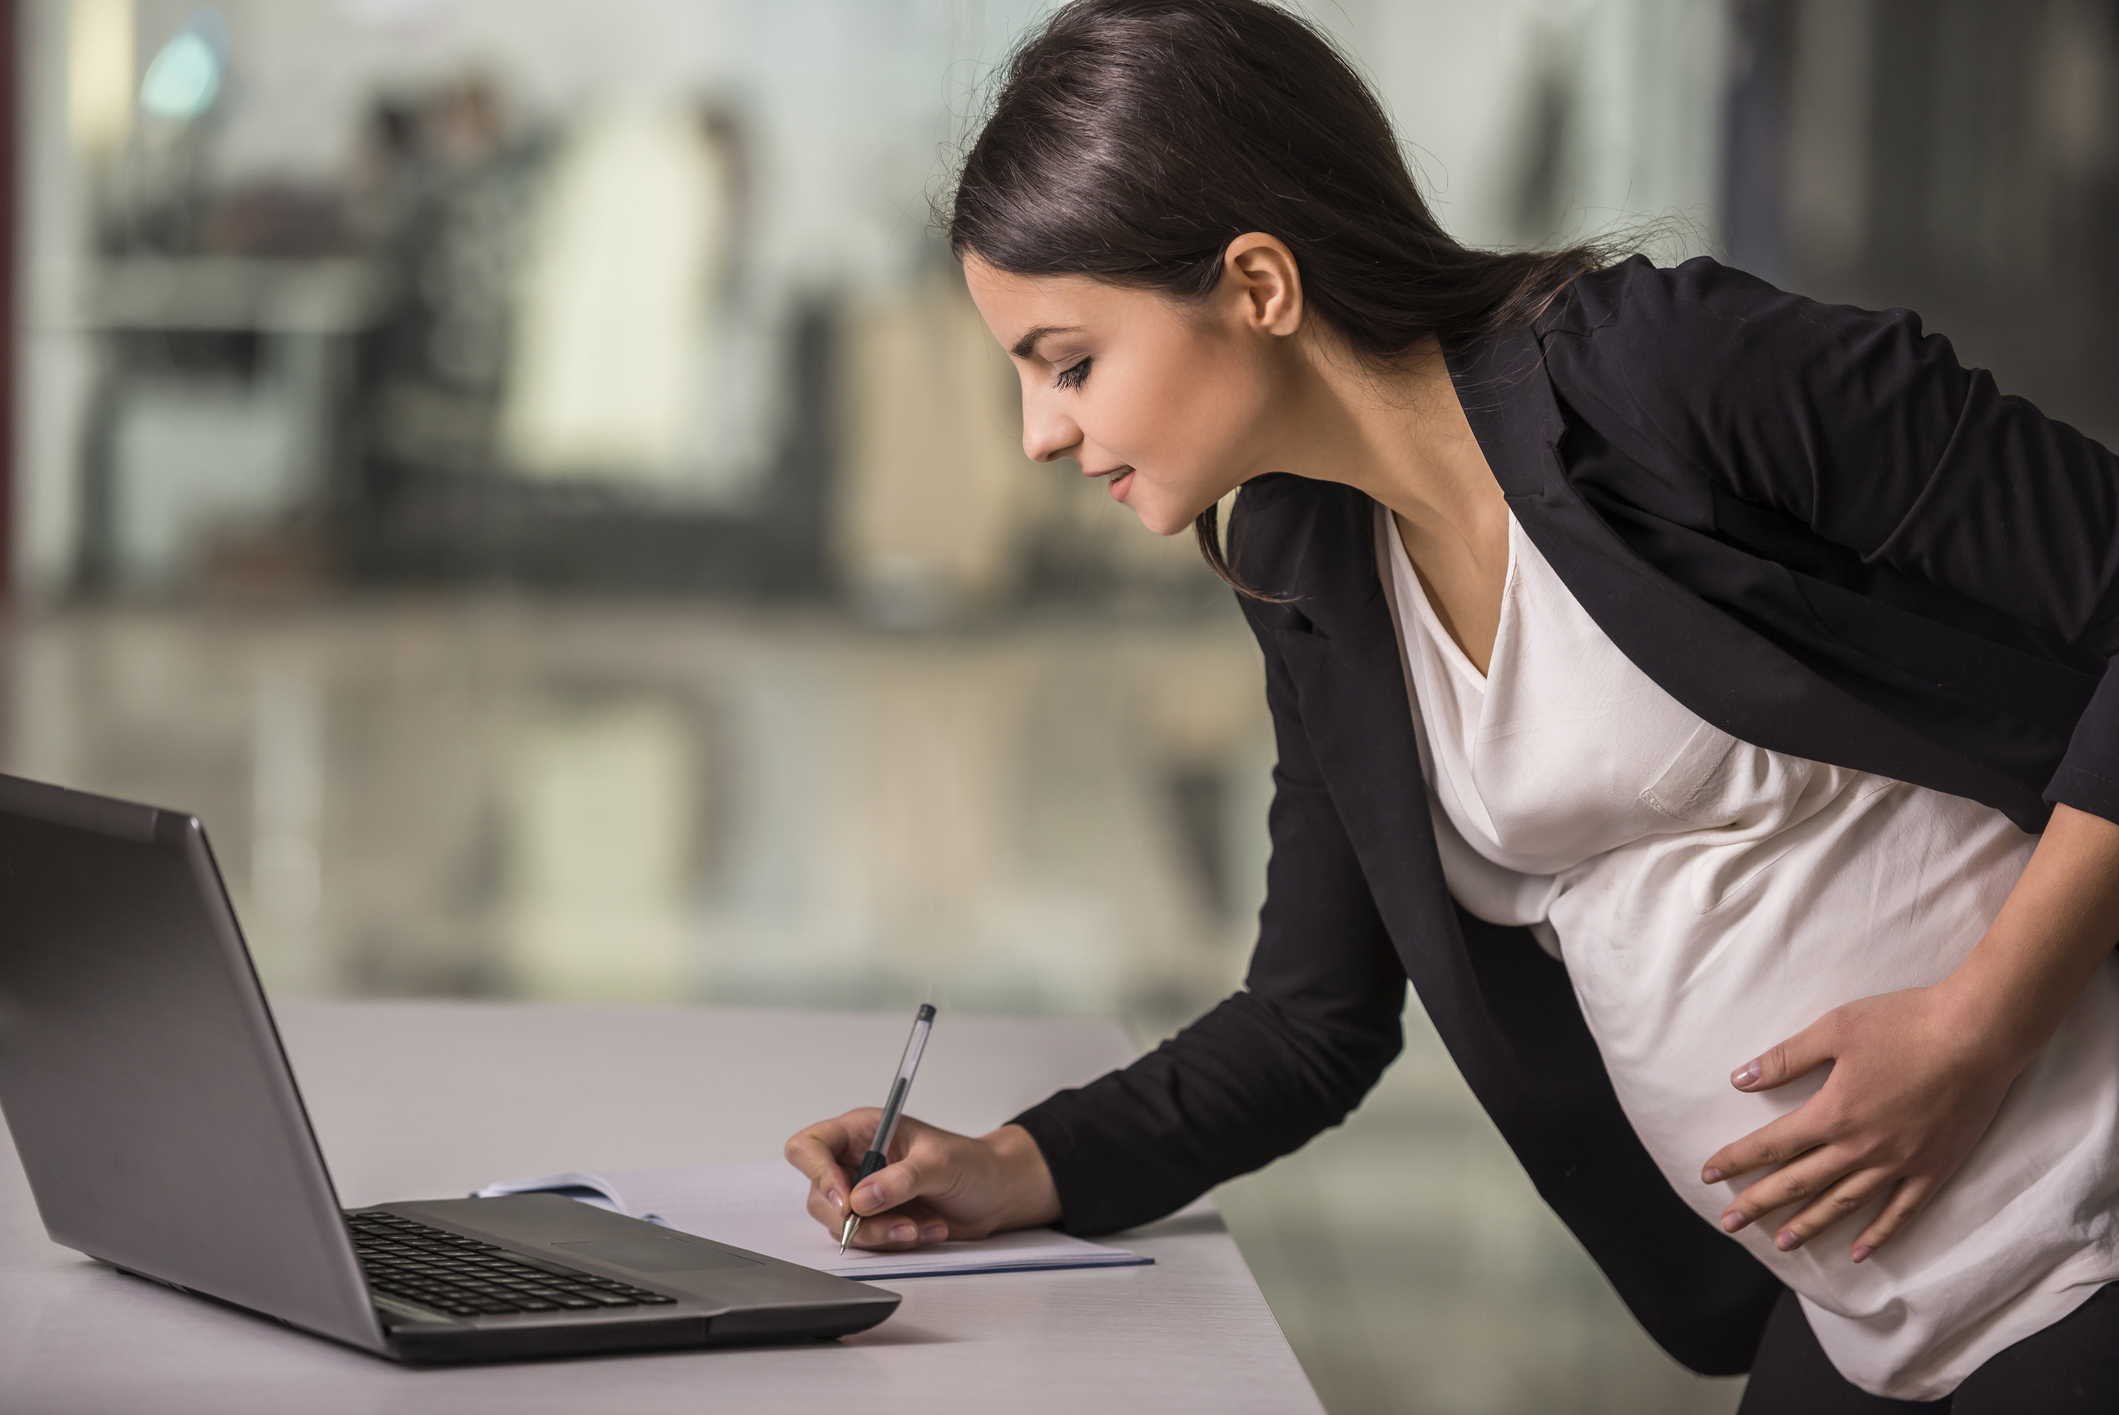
(877, 1155)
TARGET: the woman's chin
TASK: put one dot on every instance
(1161, 519)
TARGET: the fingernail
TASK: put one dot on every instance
(1861, 1251)
(901, 1233)
(1710, 1175)
(1787, 1240)
(1745, 1075)
(868, 1196)
(835, 1198)
(934, 1232)
(1732, 1221)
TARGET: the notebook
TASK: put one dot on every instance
(760, 1207)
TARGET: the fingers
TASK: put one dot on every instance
(1887, 1128)
(913, 1226)
(827, 1205)
(922, 1165)
(1800, 1055)
(1798, 1132)
(828, 1155)
(1807, 1178)
(890, 1186)
(819, 1165)
(1839, 1200)
(907, 1227)
(903, 1194)
(824, 1153)
(1912, 1196)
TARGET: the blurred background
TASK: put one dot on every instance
(527, 473)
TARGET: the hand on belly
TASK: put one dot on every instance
(1912, 1090)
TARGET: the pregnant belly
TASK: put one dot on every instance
(1892, 895)
(1690, 959)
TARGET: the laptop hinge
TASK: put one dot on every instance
(398, 1308)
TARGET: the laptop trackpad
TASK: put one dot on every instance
(658, 1253)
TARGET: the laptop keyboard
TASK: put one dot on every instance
(467, 1278)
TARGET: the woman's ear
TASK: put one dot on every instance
(1262, 283)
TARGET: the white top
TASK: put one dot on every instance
(1711, 898)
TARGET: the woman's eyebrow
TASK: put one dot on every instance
(1028, 343)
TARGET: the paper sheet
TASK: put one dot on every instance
(760, 1207)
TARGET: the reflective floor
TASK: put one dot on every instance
(580, 800)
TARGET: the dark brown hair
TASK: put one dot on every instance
(1132, 140)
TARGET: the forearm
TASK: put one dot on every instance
(2057, 926)
(1237, 1089)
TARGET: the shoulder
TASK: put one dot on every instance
(1745, 380)
(1636, 296)
(1661, 333)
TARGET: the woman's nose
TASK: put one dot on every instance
(1048, 434)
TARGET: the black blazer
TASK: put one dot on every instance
(1812, 527)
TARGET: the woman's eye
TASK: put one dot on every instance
(1073, 375)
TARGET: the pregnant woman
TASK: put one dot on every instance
(1699, 693)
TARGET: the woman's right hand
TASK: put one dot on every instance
(938, 1185)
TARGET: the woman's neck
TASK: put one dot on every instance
(1400, 435)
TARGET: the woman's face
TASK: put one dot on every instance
(1161, 398)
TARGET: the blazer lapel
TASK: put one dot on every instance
(1342, 651)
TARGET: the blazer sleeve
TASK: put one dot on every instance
(1294, 1051)
(1871, 432)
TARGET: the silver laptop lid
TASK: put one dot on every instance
(140, 1073)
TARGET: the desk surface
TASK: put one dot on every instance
(418, 1100)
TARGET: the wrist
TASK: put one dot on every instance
(2001, 1027)
(1028, 1197)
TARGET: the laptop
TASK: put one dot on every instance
(147, 1093)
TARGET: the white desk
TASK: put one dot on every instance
(419, 1100)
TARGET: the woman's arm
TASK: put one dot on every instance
(1313, 1028)
(1917, 1075)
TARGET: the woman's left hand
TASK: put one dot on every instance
(1918, 1075)
(1915, 1082)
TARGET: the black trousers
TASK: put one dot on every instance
(2073, 1365)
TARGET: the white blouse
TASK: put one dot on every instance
(1711, 898)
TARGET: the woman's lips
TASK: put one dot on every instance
(1117, 475)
